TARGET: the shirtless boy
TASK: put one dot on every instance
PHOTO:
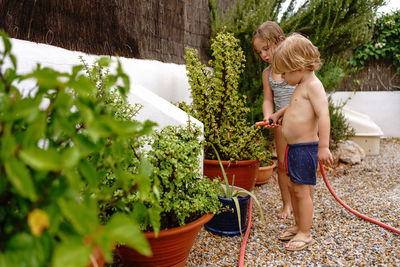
(305, 126)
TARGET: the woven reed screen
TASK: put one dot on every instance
(376, 76)
(150, 29)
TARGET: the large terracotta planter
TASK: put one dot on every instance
(170, 248)
(245, 171)
(265, 173)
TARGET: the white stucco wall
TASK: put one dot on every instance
(383, 107)
(154, 84)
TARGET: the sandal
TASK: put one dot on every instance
(287, 237)
(305, 245)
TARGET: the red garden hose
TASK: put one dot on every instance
(350, 209)
(264, 123)
(246, 236)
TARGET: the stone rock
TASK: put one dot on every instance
(350, 152)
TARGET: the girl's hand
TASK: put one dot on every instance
(325, 156)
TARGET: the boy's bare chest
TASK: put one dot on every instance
(299, 97)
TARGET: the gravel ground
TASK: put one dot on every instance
(342, 239)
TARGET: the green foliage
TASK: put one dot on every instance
(340, 128)
(175, 194)
(217, 102)
(385, 43)
(266, 163)
(335, 27)
(48, 141)
(184, 193)
(122, 193)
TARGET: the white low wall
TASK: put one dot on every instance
(153, 84)
(383, 107)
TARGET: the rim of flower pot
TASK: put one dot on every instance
(273, 165)
(227, 162)
(244, 196)
(242, 193)
(181, 229)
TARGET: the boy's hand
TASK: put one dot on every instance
(325, 156)
(274, 118)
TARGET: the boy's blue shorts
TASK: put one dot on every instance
(301, 162)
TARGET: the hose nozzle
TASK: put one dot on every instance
(264, 123)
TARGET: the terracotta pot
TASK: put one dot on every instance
(170, 248)
(265, 173)
(245, 171)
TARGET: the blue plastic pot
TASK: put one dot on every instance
(226, 222)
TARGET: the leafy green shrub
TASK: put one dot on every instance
(141, 203)
(385, 43)
(335, 27)
(176, 193)
(340, 128)
(180, 193)
(185, 194)
(48, 141)
(218, 104)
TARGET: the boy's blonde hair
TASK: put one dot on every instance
(296, 53)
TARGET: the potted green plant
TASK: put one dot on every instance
(177, 200)
(185, 199)
(232, 220)
(217, 103)
(47, 213)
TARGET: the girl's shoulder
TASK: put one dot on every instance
(267, 70)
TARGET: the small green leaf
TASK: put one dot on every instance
(124, 178)
(20, 178)
(41, 159)
(88, 171)
(145, 170)
(82, 85)
(71, 253)
(255, 199)
(124, 230)
(46, 77)
(70, 157)
(236, 201)
(25, 109)
(6, 42)
(7, 145)
(24, 248)
(84, 144)
(82, 215)
(104, 61)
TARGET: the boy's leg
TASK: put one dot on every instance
(283, 179)
(303, 212)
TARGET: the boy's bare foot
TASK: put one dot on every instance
(286, 213)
